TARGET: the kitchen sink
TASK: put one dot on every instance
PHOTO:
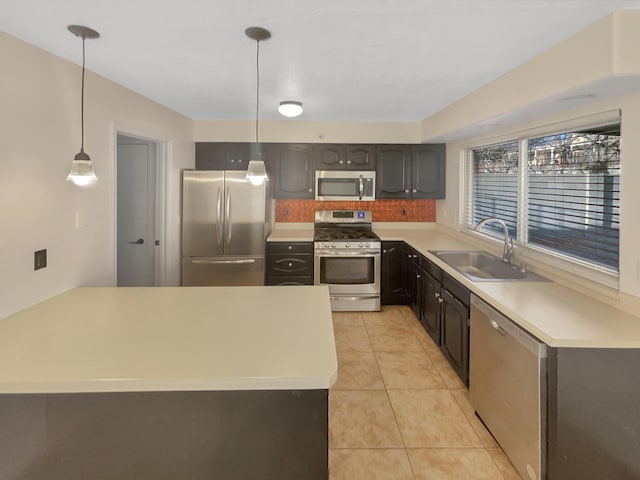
(480, 266)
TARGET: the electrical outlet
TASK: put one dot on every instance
(404, 211)
(39, 259)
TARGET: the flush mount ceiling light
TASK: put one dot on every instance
(256, 171)
(290, 108)
(81, 172)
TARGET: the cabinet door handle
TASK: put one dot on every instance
(290, 264)
(414, 190)
(341, 162)
(406, 191)
(290, 247)
(417, 276)
(310, 190)
(440, 300)
(348, 162)
(437, 295)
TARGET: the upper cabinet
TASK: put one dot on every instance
(393, 174)
(361, 157)
(341, 157)
(410, 171)
(222, 156)
(402, 171)
(428, 170)
(290, 167)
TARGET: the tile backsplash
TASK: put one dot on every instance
(381, 210)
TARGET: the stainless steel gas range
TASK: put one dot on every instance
(347, 259)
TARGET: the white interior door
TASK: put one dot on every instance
(136, 212)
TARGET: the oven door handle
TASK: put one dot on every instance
(332, 253)
(354, 298)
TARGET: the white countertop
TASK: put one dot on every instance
(170, 338)
(556, 314)
(292, 232)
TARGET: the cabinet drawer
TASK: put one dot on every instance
(289, 265)
(456, 288)
(284, 281)
(289, 247)
(432, 269)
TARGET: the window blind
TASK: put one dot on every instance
(573, 198)
(494, 187)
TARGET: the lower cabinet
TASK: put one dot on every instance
(391, 287)
(454, 324)
(431, 301)
(439, 302)
(411, 277)
(289, 263)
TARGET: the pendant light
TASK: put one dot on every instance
(81, 172)
(256, 171)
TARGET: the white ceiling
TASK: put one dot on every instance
(357, 60)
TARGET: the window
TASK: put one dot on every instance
(561, 197)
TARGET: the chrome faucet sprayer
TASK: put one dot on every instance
(507, 253)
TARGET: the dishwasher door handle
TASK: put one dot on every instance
(498, 328)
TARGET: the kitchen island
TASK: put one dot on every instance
(167, 383)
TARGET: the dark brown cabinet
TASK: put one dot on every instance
(454, 324)
(431, 299)
(222, 156)
(361, 157)
(345, 157)
(393, 172)
(428, 171)
(392, 291)
(411, 278)
(290, 165)
(289, 263)
(411, 171)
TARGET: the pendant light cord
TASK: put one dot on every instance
(257, 86)
(82, 100)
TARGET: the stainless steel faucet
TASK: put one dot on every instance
(507, 253)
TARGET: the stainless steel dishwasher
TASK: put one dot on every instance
(507, 387)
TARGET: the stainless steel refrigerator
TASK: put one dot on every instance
(225, 220)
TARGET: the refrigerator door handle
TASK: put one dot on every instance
(228, 214)
(224, 262)
(219, 219)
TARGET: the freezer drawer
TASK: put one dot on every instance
(222, 271)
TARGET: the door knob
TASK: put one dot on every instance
(139, 241)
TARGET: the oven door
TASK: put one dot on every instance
(353, 278)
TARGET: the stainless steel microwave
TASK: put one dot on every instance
(345, 185)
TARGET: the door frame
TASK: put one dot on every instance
(161, 157)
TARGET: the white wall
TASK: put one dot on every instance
(39, 135)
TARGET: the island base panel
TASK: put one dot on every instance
(278, 434)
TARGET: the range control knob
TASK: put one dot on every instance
(333, 245)
(366, 244)
(347, 245)
(360, 245)
(326, 244)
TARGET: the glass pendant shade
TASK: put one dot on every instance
(256, 172)
(81, 172)
(290, 108)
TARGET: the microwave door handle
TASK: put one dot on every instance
(361, 186)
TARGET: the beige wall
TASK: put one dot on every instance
(39, 135)
(601, 59)
(307, 132)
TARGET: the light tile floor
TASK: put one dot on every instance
(398, 410)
